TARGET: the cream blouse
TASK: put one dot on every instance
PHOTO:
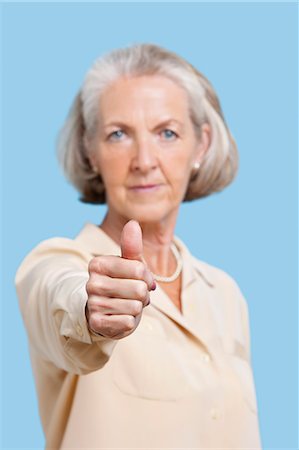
(179, 381)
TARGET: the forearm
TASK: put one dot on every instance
(52, 298)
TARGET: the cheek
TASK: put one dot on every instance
(113, 169)
(178, 167)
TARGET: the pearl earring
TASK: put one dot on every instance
(196, 166)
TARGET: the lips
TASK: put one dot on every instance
(145, 187)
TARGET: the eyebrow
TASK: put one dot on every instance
(119, 123)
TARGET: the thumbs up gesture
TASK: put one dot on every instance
(118, 287)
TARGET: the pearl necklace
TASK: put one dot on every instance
(177, 271)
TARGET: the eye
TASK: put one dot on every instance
(169, 135)
(116, 135)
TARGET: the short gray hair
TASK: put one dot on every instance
(220, 163)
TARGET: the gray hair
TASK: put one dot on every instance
(220, 163)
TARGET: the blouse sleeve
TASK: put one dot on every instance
(50, 285)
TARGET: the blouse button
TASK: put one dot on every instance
(215, 413)
(149, 326)
(206, 357)
(79, 330)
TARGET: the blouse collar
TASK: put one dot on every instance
(97, 242)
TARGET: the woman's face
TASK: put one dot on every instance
(146, 147)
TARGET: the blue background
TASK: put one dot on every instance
(249, 53)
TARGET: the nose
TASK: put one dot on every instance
(145, 156)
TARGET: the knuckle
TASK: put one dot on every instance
(140, 270)
(89, 287)
(97, 264)
(94, 322)
(102, 304)
(101, 286)
(105, 326)
(129, 323)
(148, 300)
(101, 265)
(91, 303)
(94, 285)
(92, 265)
(137, 307)
(142, 290)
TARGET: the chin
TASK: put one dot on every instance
(148, 213)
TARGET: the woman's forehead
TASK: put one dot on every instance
(146, 96)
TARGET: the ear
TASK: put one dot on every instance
(204, 143)
(94, 163)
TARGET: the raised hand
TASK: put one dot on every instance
(118, 287)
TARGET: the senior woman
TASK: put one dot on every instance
(134, 342)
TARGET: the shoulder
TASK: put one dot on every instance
(59, 246)
(228, 299)
(216, 275)
(54, 253)
(226, 288)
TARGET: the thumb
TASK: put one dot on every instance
(131, 241)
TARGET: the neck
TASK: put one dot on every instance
(156, 236)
